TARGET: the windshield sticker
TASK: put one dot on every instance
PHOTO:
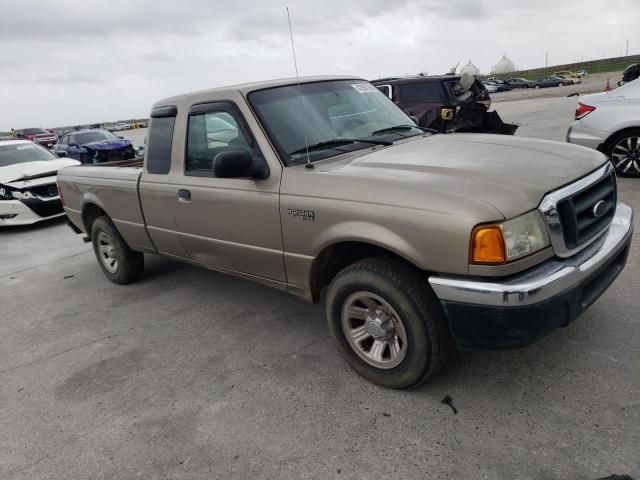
(25, 147)
(364, 87)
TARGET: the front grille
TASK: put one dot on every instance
(44, 209)
(578, 220)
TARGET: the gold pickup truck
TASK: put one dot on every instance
(326, 189)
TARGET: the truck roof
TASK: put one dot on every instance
(245, 88)
(413, 78)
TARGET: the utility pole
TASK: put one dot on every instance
(627, 54)
(546, 59)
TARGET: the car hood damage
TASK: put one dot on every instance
(107, 145)
(24, 172)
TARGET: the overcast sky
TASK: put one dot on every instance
(84, 61)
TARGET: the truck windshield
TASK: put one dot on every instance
(22, 153)
(321, 114)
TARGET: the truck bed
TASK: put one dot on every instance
(111, 187)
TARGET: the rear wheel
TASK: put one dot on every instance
(624, 151)
(386, 323)
(118, 262)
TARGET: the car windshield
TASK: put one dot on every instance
(321, 113)
(94, 136)
(34, 131)
(23, 153)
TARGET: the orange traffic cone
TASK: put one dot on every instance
(607, 88)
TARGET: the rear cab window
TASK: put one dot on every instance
(158, 156)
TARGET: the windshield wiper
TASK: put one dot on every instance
(337, 142)
(403, 127)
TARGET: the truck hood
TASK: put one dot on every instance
(510, 174)
(104, 145)
(31, 170)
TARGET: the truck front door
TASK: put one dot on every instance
(227, 223)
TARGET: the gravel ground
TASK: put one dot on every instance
(194, 374)
(590, 84)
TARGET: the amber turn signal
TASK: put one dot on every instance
(487, 245)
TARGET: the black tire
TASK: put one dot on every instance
(406, 290)
(632, 171)
(129, 264)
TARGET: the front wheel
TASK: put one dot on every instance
(118, 262)
(624, 151)
(386, 323)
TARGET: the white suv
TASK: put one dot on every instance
(610, 122)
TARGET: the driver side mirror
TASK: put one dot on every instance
(61, 154)
(238, 163)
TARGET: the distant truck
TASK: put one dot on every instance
(38, 135)
(326, 189)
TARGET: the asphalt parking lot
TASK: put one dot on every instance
(194, 374)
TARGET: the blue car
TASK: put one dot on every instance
(94, 146)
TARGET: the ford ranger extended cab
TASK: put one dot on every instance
(326, 189)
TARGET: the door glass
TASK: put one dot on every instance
(208, 135)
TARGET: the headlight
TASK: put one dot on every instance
(510, 240)
(5, 194)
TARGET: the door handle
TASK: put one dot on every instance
(184, 196)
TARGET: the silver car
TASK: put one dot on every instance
(610, 122)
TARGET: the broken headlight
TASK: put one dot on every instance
(5, 194)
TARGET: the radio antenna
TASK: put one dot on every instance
(295, 64)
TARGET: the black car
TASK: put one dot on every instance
(518, 82)
(550, 82)
(442, 103)
(630, 73)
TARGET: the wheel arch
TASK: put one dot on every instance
(604, 146)
(91, 211)
(337, 256)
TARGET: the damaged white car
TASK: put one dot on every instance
(28, 189)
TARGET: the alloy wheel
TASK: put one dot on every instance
(107, 252)
(374, 330)
(626, 155)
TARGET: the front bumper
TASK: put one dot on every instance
(490, 315)
(15, 212)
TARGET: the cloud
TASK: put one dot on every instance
(85, 61)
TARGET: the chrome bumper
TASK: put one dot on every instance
(544, 281)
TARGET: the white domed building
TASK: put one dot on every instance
(470, 69)
(504, 65)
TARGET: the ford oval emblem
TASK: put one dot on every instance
(599, 209)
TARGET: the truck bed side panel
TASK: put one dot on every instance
(114, 190)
